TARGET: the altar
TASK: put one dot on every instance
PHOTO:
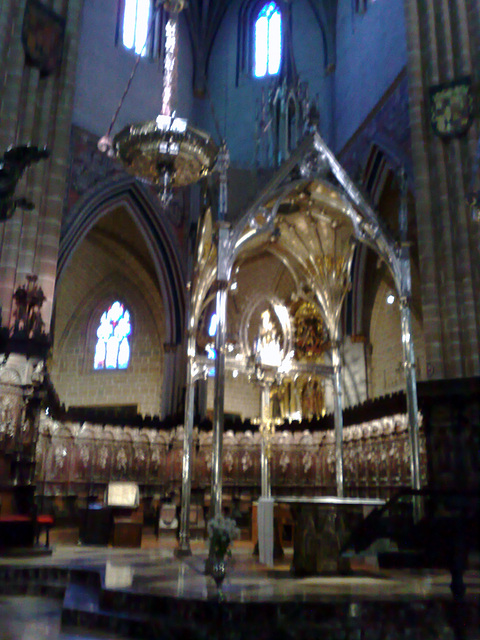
(322, 525)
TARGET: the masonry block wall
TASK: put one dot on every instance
(386, 370)
(241, 396)
(99, 273)
(444, 45)
(35, 109)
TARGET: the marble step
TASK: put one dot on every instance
(44, 581)
(83, 608)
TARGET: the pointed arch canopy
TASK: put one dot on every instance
(326, 204)
(143, 207)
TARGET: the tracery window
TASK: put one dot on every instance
(112, 350)
(139, 26)
(267, 40)
(136, 18)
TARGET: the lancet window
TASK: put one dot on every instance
(267, 41)
(112, 350)
(139, 27)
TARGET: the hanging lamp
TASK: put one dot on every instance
(166, 152)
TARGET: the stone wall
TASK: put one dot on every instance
(444, 45)
(237, 97)
(387, 371)
(241, 396)
(35, 109)
(97, 275)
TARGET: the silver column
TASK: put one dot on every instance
(265, 475)
(338, 415)
(405, 291)
(411, 388)
(218, 402)
(183, 548)
(224, 265)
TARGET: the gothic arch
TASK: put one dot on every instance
(372, 280)
(382, 160)
(142, 206)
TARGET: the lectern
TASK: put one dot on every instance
(118, 521)
(124, 500)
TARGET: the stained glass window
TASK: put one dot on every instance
(136, 18)
(113, 348)
(268, 40)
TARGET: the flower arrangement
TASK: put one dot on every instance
(221, 532)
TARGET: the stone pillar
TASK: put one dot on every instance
(443, 38)
(36, 110)
(173, 383)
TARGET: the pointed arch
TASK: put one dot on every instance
(381, 160)
(143, 207)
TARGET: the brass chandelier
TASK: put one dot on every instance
(166, 152)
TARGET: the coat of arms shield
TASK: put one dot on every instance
(43, 34)
(451, 107)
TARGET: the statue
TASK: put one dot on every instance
(27, 317)
(267, 330)
(312, 400)
(267, 346)
(15, 161)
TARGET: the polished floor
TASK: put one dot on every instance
(38, 618)
(154, 572)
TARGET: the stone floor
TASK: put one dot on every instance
(38, 618)
(369, 603)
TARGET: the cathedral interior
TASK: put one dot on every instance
(240, 266)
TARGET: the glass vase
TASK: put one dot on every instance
(218, 570)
